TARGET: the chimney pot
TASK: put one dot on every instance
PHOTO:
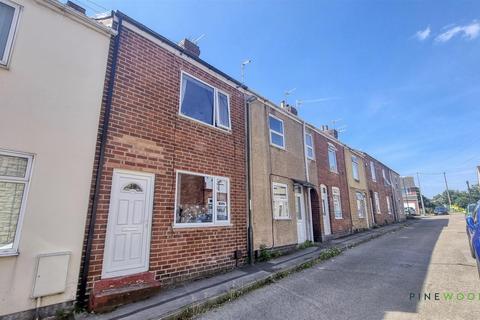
(190, 47)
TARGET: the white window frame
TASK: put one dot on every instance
(372, 171)
(270, 130)
(355, 169)
(377, 203)
(309, 147)
(214, 222)
(389, 208)
(385, 179)
(361, 214)
(332, 148)
(216, 124)
(5, 58)
(26, 181)
(336, 192)
(287, 204)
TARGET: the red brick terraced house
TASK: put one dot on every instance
(335, 217)
(380, 191)
(169, 196)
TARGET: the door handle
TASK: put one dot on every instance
(129, 229)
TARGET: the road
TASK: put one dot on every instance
(376, 280)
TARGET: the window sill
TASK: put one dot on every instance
(201, 226)
(277, 147)
(9, 254)
(221, 129)
(338, 218)
(336, 172)
(282, 219)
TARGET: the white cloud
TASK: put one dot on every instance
(423, 34)
(469, 32)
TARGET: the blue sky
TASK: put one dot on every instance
(403, 76)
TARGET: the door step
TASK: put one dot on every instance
(108, 294)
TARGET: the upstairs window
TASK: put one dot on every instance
(332, 158)
(14, 180)
(201, 200)
(385, 180)
(355, 168)
(372, 171)
(8, 23)
(309, 146)
(204, 103)
(280, 201)
(277, 136)
(337, 203)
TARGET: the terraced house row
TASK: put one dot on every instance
(129, 165)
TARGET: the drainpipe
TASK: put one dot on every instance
(101, 159)
(250, 244)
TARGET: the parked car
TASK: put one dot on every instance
(470, 208)
(473, 234)
(440, 211)
(410, 211)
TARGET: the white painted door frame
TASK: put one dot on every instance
(301, 217)
(127, 241)
(327, 229)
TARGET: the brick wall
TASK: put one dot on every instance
(383, 191)
(330, 179)
(147, 134)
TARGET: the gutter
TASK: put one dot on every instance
(101, 160)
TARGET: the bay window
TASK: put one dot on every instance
(202, 200)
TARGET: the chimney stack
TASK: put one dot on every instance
(331, 132)
(190, 46)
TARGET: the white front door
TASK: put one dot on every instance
(300, 210)
(325, 210)
(127, 243)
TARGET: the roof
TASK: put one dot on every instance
(408, 182)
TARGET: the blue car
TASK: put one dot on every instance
(473, 234)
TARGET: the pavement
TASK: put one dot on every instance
(376, 280)
(187, 299)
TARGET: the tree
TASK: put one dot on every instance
(459, 198)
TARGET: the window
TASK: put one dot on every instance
(377, 202)
(277, 137)
(389, 208)
(8, 23)
(309, 146)
(202, 200)
(280, 201)
(14, 180)
(385, 180)
(332, 158)
(360, 204)
(204, 103)
(372, 171)
(355, 168)
(337, 203)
